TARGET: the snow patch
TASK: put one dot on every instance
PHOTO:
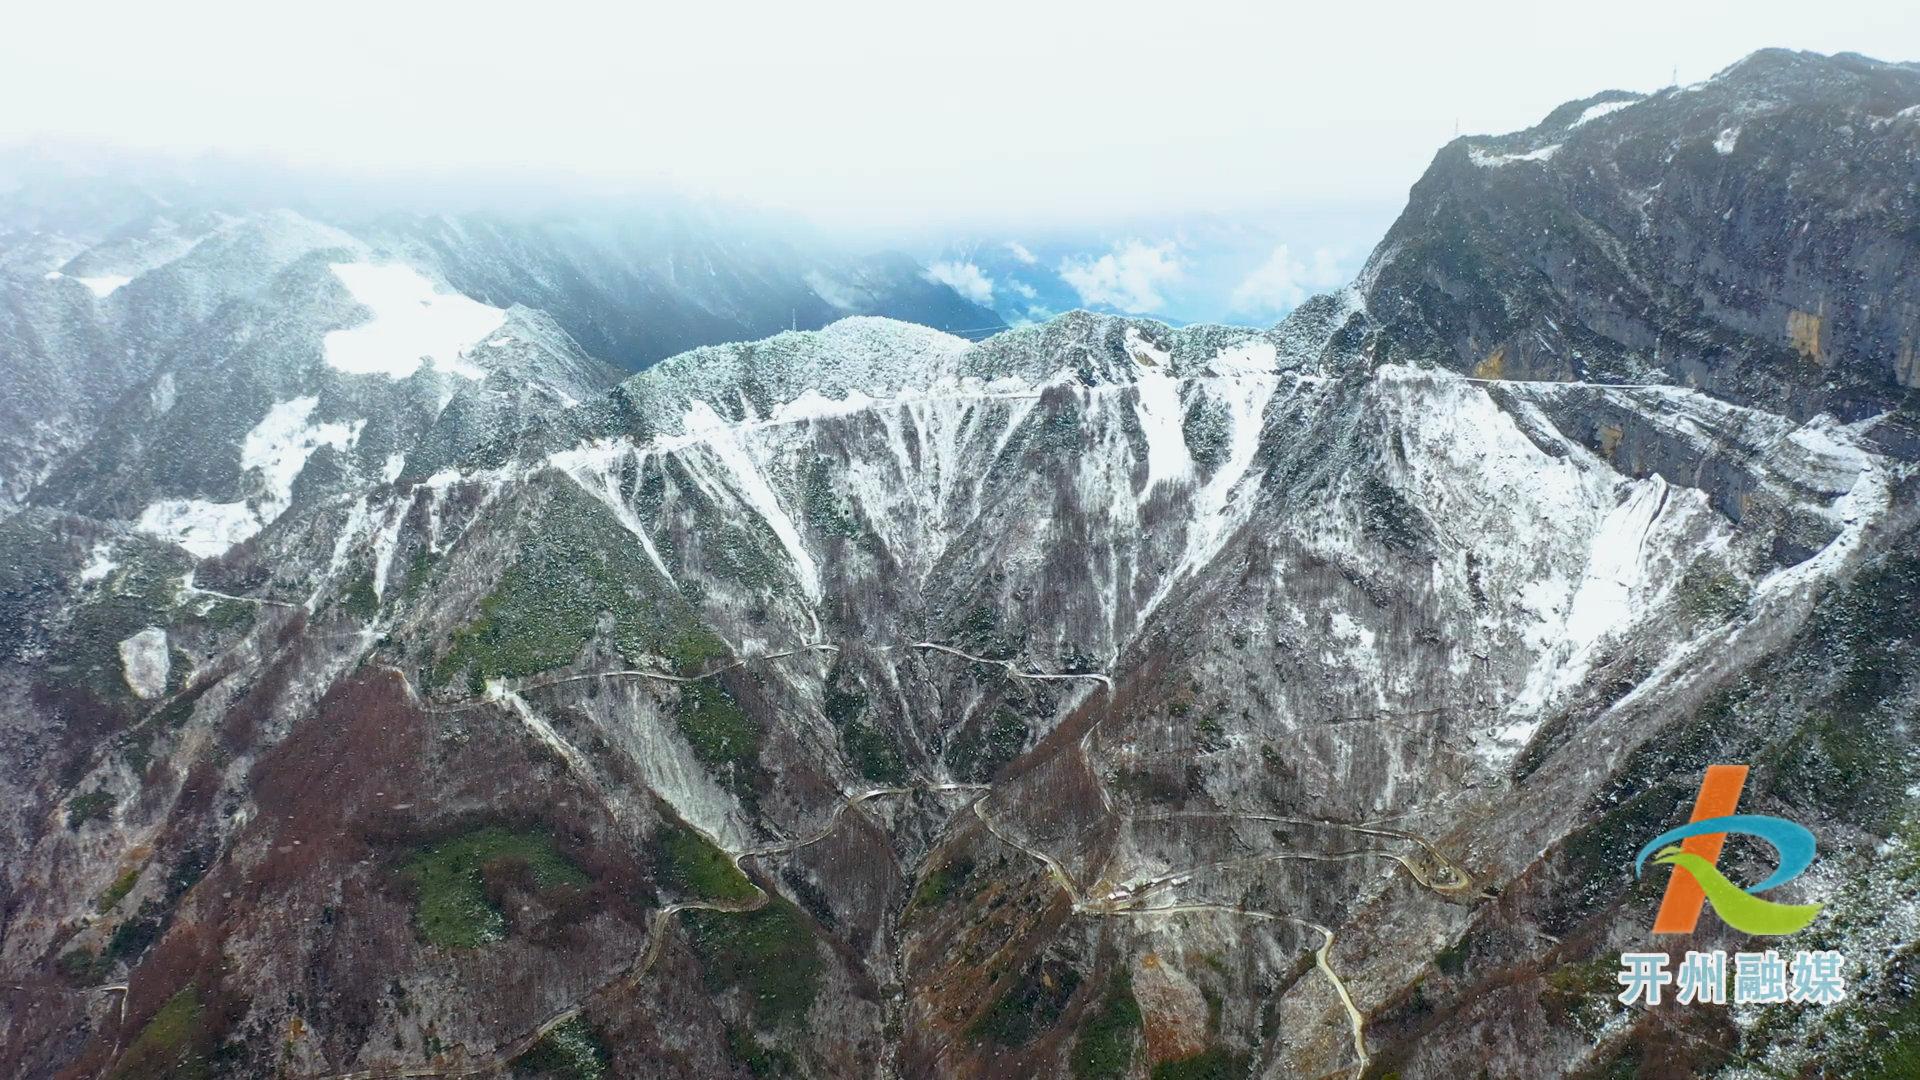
(753, 488)
(161, 397)
(812, 405)
(412, 322)
(1595, 112)
(1256, 357)
(1485, 160)
(280, 444)
(104, 285)
(276, 450)
(1157, 405)
(100, 564)
(1602, 605)
(1145, 352)
(1727, 140)
(205, 529)
(146, 662)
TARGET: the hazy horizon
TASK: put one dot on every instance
(995, 115)
(1107, 144)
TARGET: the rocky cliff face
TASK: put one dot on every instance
(1100, 699)
(1751, 235)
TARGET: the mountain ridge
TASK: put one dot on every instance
(866, 700)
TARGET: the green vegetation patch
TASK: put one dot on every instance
(96, 805)
(1209, 434)
(821, 505)
(81, 967)
(1059, 431)
(692, 864)
(360, 601)
(1390, 520)
(872, 753)
(228, 615)
(1214, 1063)
(869, 750)
(757, 1057)
(1709, 592)
(768, 954)
(1031, 1006)
(1105, 1048)
(144, 591)
(571, 1051)
(715, 725)
(1852, 757)
(1452, 960)
(1853, 765)
(1578, 992)
(982, 631)
(140, 930)
(117, 891)
(576, 566)
(1600, 857)
(451, 907)
(942, 882)
(169, 1045)
(419, 572)
(1894, 1044)
(694, 648)
(983, 751)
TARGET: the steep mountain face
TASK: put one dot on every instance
(1101, 699)
(1752, 236)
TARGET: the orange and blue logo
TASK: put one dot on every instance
(1696, 879)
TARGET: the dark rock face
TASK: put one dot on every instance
(1752, 236)
(1102, 699)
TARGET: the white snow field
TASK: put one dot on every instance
(412, 322)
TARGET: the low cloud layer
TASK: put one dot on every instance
(1279, 284)
(964, 278)
(1132, 277)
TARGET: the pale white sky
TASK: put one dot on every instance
(888, 113)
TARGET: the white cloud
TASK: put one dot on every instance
(367, 87)
(1022, 289)
(1282, 282)
(1129, 277)
(964, 278)
(1020, 252)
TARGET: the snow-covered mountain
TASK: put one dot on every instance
(122, 286)
(1101, 699)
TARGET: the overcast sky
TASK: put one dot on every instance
(891, 113)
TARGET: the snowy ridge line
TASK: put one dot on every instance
(591, 465)
(856, 402)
